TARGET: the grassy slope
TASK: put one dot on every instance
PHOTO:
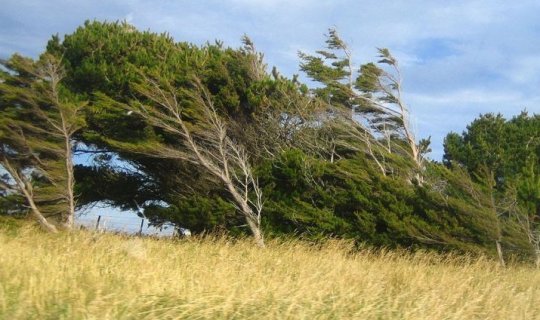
(97, 276)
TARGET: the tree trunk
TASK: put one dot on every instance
(43, 222)
(257, 233)
(500, 253)
(26, 190)
(69, 219)
(250, 216)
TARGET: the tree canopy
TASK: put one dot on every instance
(207, 138)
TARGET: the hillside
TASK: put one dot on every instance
(85, 275)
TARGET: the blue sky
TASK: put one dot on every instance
(458, 58)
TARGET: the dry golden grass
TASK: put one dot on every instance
(101, 276)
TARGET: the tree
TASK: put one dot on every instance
(333, 68)
(382, 95)
(263, 113)
(525, 203)
(379, 119)
(197, 134)
(39, 120)
(503, 155)
(212, 149)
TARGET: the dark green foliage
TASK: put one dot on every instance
(351, 199)
(332, 69)
(504, 146)
(119, 188)
(110, 62)
(480, 146)
(200, 213)
(12, 204)
(509, 149)
(38, 118)
(503, 156)
(321, 175)
(370, 74)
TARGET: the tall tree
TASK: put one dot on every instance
(382, 95)
(379, 117)
(503, 155)
(263, 114)
(212, 149)
(39, 120)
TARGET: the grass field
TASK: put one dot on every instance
(86, 275)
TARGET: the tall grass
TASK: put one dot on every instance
(86, 275)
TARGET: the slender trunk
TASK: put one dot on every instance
(242, 203)
(217, 162)
(27, 191)
(500, 253)
(69, 219)
(257, 232)
(253, 222)
(43, 222)
(370, 150)
(65, 130)
(491, 182)
(351, 85)
(381, 167)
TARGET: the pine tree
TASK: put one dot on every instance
(39, 120)
(378, 117)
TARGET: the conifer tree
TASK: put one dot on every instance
(503, 156)
(379, 117)
(37, 127)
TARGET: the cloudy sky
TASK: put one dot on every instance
(459, 58)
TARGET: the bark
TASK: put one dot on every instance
(70, 185)
(65, 128)
(500, 253)
(24, 187)
(491, 184)
(70, 177)
(220, 156)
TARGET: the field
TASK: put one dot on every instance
(87, 275)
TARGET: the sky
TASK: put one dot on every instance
(458, 58)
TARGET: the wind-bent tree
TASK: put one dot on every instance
(383, 96)
(379, 117)
(333, 68)
(211, 149)
(264, 113)
(39, 120)
(170, 125)
(503, 155)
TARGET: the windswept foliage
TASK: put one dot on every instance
(203, 136)
(39, 118)
(503, 155)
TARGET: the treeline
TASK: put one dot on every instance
(207, 138)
